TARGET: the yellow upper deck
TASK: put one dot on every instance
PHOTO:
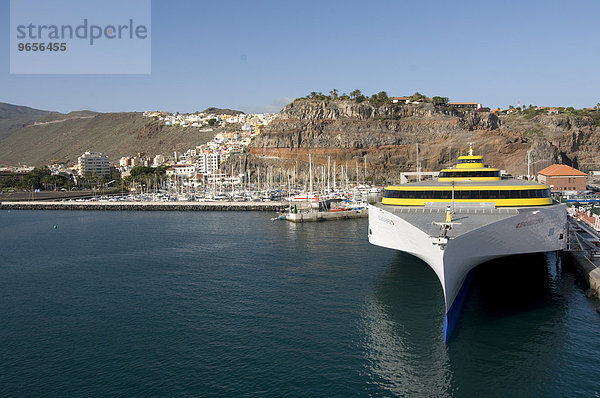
(467, 162)
(470, 167)
(470, 181)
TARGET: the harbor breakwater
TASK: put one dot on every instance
(146, 206)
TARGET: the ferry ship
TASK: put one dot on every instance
(470, 215)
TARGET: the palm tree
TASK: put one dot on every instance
(355, 93)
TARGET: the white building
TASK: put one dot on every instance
(182, 170)
(208, 163)
(94, 162)
(158, 160)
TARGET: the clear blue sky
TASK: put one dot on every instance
(257, 55)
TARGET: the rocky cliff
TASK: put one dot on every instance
(572, 140)
(386, 135)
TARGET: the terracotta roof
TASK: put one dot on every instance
(561, 170)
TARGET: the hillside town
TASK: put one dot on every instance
(247, 122)
(199, 167)
(191, 168)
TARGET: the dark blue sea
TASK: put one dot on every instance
(236, 305)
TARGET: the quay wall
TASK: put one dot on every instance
(146, 206)
(590, 270)
(585, 255)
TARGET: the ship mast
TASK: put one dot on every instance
(328, 172)
(418, 168)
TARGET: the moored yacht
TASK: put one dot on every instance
(468, 216)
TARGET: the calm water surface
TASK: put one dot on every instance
(233, 304)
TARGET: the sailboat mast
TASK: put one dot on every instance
(310, 173)
(328, 172)
(334, 171)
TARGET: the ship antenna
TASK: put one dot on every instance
(470, 149)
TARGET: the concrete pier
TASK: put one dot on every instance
(145, 206)
(585, 251)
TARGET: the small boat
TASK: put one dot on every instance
(339, 209)
(281, 216)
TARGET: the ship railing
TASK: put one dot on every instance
(458, 210)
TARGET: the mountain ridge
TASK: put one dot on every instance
(44, 137)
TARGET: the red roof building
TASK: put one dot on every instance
(560, 178)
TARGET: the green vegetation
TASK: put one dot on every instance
(91, 181)
(379, 98)
(38, 178)
(142, 177)
(420, 97)
(440, 100)
(531, 112)
(143, 174)
(534, 132)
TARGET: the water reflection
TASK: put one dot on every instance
(402, 321)
(512, 324)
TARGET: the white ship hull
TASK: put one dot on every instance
(480, 238)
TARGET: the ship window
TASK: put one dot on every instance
(469, 174)
(476, 194)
